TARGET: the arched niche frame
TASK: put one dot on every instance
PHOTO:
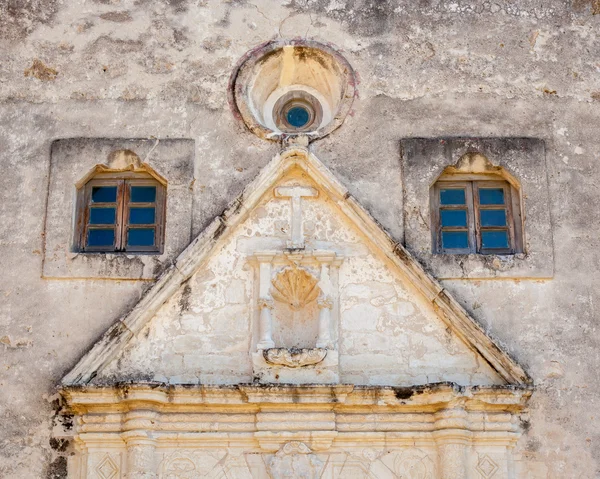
(472, 175)
(521, 162)
(297, 313)
(307, 74)
(74, 161)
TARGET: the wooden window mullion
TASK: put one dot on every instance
(159, 217)
(436, 229)
(509, 218)
(472, 225)
(83, 222)
(120, 224)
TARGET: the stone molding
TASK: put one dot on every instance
(127, 427)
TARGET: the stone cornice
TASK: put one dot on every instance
(249, 397)
(264, 418)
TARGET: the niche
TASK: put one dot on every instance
(295, 291)
(292, 87)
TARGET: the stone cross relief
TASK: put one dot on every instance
(296, 193)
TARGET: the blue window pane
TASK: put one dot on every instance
(298, 116)
(493, 217)
(104, 194)
(494, 239)
(143, 194)
(140, 237)
(102, 216)
(455, 239)
(452, 196)
(454, 217)
(141, 216)
(101, 237)
(491, 196)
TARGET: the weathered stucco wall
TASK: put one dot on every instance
(119, 69)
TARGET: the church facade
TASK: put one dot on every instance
(287, 240)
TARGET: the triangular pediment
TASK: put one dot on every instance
(298, 250)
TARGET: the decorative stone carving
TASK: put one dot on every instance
(265, 306)
(410, 465)
(296, 287)
(193, 463)
(180, 468)
(312, 406)
(296, 193)
(107, 468)
(452, 461)
(140, 457)
(265, 303)
(486, 467)
(325, 304)
(294, 358)
(295, 460)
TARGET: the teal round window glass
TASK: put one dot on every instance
(298, 116)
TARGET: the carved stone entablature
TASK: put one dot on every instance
(294, 358)
(440, 431)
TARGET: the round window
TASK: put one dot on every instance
(298, 116)
(297, 111)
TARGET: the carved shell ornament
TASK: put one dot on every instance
(296, 287)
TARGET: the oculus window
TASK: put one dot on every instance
(475, 216)
(297, 112)
(121, 213)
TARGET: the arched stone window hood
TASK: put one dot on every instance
(292, 87)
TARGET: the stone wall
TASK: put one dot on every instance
(119, 69)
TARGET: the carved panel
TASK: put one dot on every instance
(409, 464)
(107, 468)
(295, 460)
(452, 461)
(353, 470)
(294, 358)
(486, 466)
(180, 468)
(192, 464)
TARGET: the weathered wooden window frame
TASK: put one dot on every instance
(123, 182)
(472, 183)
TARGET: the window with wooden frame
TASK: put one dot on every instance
(122, 212)
(475, 215)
